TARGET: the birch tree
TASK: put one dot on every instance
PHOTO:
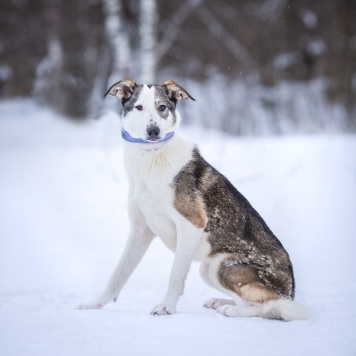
(118, 38)
(119, 43)
(148, 40)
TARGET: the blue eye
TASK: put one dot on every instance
(162, 107)
(139, 107)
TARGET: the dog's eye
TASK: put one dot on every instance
(162, 107)
(139, 107)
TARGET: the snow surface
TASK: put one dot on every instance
(63, 225)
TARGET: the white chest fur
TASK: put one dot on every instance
(151, 174)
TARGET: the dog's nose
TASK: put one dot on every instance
(153, 132)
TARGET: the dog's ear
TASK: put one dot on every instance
(123, 89)
(175, 92)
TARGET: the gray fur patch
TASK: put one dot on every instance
(234, 228)
(163, 98)
(129, 104)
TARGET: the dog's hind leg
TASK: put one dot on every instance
(137, 244)
(242, 309)
(241, 282)
(251, 294)
(208, 271)
(215, 303)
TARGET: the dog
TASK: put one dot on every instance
(176, 195)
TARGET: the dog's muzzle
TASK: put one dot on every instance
(153, 133)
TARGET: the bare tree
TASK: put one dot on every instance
(175, 27)
(49, 69)
(148, 40)
(118, 38)
(231, 43)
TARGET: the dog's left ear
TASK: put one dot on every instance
(123, 89)
(175, 92)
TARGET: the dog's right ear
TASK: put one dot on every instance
(122, 89)
(175, 92)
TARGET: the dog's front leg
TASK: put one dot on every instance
(137, 244)
(188, 238)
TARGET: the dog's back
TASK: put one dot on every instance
(255, 264)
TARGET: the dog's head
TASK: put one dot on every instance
(149, 110)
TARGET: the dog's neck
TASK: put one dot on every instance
(167, 156)
(127, 137)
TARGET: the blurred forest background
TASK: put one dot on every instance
(255, 66)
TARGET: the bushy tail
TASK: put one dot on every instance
(284, 309)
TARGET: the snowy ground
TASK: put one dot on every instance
(63, 225)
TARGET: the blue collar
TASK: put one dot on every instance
(127, 137)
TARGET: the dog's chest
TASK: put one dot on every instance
(151, 176)
(151, 180)
(152, 173)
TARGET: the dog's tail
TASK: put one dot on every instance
(284, 309)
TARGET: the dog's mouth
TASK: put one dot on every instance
(153, 139)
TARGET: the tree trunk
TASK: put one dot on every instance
(148, 25)
(118, 38)
(49, 74)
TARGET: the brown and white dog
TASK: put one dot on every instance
(176, 195)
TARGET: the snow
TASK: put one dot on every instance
(63, 225)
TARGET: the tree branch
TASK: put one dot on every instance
(231, 43)
(172, 31)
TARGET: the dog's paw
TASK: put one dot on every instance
(99, 302)
(162, 309)
(95, 304)
(228, 310)
(89, 305)
(215, 303)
